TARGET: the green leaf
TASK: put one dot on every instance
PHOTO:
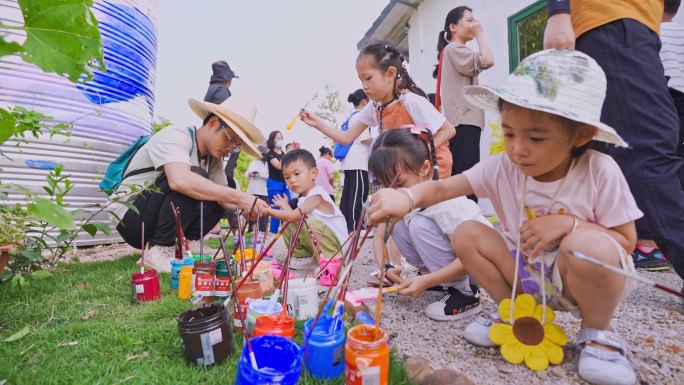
(50, 212)
(41, 274)
(90, 228)
(7, 123)
(20, 334)
(8, 48)
(103, 227)
(62, 37)
(33, 255)
(130, 206)
(18, 280)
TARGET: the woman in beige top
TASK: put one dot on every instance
(460, 66)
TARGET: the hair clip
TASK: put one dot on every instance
(415, 130)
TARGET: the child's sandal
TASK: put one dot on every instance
(600, 366)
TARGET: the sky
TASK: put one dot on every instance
(282, 51)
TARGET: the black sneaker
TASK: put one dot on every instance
(650, 261)
(454, 305)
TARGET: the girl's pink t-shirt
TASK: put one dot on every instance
(594, 190)
(325, 171)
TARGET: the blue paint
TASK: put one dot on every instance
(279, 361)
(364, 318)
(41, 164)
(175, 270)
(324, 351)
(130, 46)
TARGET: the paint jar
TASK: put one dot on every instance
(366, 356)
(328, 276)
(206, 334)
(263, 272)
(278, 359)
(302, 298)
(365, 318)
(249, 254)
(278, 324)
(205, 276)
(185, 282)
(145, 286)
(249, 290)
(259, 307)
(175, 270)
(324, 351)
(222, 285)
(205, 257)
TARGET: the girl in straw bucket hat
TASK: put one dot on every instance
(553, 196)
(184, 163)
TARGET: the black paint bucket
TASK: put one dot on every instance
(206, 334)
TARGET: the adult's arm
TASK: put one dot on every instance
(559, 32)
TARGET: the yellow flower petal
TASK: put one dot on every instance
(524, 306)
(513, 351)
(555, 334)
(499, 333)
(550, 315)
(535, 358)
(553, 352)
(505, 310)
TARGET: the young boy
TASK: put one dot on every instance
(324, 218)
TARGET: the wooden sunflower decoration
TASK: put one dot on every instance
(531, 337)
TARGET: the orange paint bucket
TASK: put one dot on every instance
(366, 356)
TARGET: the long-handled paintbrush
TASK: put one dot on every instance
(292, 122)
(242, 317)
(627, 274)
(142, 248)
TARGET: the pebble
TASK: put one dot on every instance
(446, 376)
(558, 371)
(417, 369)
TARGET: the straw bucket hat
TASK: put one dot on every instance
(567, 83)
(238, 113)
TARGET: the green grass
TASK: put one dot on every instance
(94, 335)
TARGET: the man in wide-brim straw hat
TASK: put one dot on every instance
(184, 163)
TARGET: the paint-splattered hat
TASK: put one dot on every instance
(561, 82)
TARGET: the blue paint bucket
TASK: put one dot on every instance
(278, 360)
(175, 270)
(324, 353)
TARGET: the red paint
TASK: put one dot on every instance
(279, 325)
(145, 286)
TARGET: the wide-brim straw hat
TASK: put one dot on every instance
(562, 82)
(237, 112)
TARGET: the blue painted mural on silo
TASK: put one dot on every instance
(110, 111)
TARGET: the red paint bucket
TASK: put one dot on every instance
(145, 286)
(276, 325)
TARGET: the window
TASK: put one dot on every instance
(526, 32)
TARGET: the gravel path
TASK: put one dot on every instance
(651, 321)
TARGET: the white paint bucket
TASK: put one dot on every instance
(302, 298)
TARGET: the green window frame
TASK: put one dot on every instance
(531, 17)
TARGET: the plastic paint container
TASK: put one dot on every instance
(275, 325)
(249, 253)
(249, 290)
(278, 360)
(366, 356)
(145, 286)
(196, 257)
(263, 272)
(206, 334)
(185, 282)
(302, 298)
(222, 286)
(205, 277)
(329, 275)
(324, 352)
(175, 270)
(259, 307)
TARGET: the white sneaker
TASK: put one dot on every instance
(160, 257)
(477, 333)
(600, 366)
(195, 247)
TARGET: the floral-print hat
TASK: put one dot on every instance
(562, 82)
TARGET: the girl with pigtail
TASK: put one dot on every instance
(423, 236)
(396, 101)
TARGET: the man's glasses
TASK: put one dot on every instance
(236, 145)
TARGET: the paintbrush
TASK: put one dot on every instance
(142, 248)
(284, 275)
(291, 124)
(385, 260)
(241, 316)
(201, 230)
(627, 274)
(262, 254)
